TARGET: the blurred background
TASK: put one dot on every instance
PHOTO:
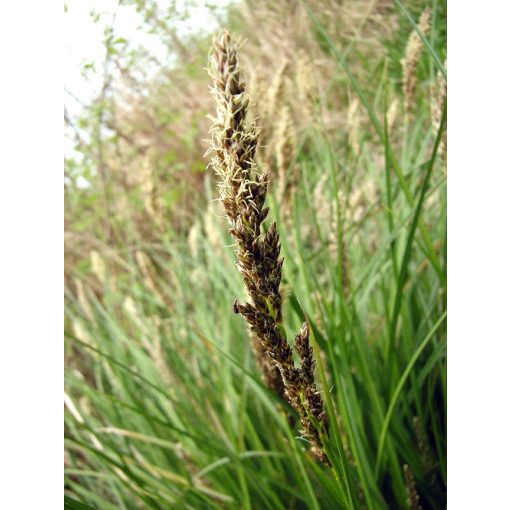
(137, 100)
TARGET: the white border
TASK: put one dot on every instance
(31, 258)
(478, 255)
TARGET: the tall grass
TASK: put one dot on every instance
(165, 402)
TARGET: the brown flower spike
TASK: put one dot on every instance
(243, 192)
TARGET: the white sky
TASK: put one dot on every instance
(83, 38)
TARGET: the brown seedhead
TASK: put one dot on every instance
(243, 192)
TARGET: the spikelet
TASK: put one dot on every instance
(306, 82)
(410, 61)
(243, 192)
(211, 227)
(413, 498)
(391, 116)
(98, 266)
(158, 356)
(270, 110)
(312, 399)
(353, 125)
(148, 333)
(360, 198)
(270, 372)
(353, 211)
(131, 310)
(285, 142)
(83, 301)
(276, 91)
(194, 235)
(148, 189)
(146, 186)
(346, 280)
(146, 268)
(436, 106)
(330, 218)
(321, 202)
(285, 148)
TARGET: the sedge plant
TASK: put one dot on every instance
(167, 404)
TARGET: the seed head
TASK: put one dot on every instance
(243, 192)
(410, 61)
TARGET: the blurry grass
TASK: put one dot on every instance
(164, 405)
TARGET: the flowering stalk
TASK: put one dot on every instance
(243, 192)
(410, 61)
